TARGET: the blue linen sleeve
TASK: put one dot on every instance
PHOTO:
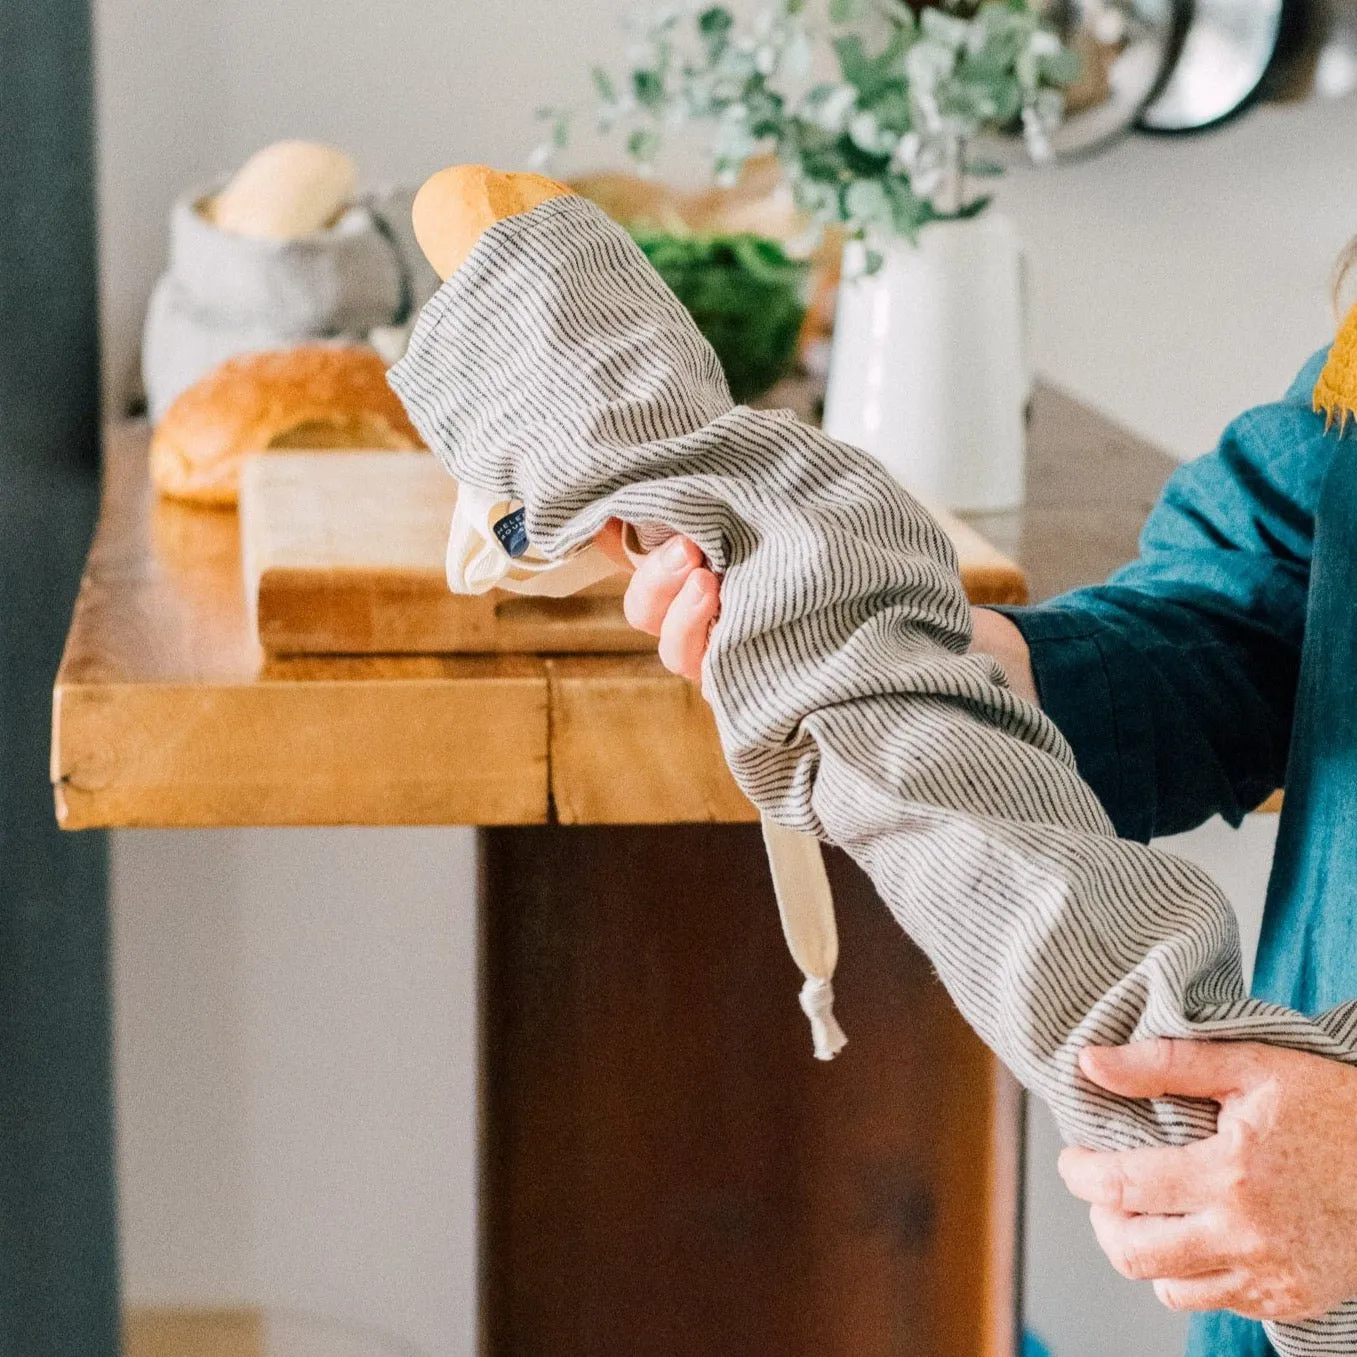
(1175, 681)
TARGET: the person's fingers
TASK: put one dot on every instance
(1145, 1248)
(683, 635)
(657, 582)
(1210, 1291)
(1167, 1181)
(1153, 1069)
(608, 540)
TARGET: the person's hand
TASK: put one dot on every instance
(1260, 1218)
(672, 595)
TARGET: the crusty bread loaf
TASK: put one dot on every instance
(288, 190)
(457, 205)
(313, 396)
(637, 203)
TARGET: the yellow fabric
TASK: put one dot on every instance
(1335, 395)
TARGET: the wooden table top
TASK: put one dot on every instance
(167, 714)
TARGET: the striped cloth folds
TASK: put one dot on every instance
(555, 367)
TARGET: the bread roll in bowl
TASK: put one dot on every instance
(285, 192)
(312, 396)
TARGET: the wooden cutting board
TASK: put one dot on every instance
(343, 554)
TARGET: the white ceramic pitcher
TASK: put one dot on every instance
(929, 367)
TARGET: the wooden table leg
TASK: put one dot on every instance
(665, 1167)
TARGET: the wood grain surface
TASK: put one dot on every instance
(667, 1169)
(172, 1332)
(608, 768)
(343, 553)
(168, 712)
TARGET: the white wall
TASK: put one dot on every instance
(188, 88)
(1180, 281)
(295, 1040)
(294, 1009)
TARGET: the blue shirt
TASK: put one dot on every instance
(1220, 664)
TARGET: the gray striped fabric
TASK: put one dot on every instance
(557, 368)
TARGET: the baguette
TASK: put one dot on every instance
(458, 205)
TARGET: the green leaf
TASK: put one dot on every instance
(870, 76)
(866, 201)
(853, 62)
(843, 11)
(715, 22)
(899, 12)
(714, 26)
(764, 111)
(643, 144)
(765, 261)
(909, 212)
(746, 296)
(648, 88)
(944, 28)
(860, 164)
(890, 106)
(604, 85)
(967, 210)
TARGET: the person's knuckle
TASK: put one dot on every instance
(1136, 1260)
(1244, 1298)
(632, 611)
(1242, 1146)
(712, 599)
(1170, 1295)
(1283, 1296)
(638, 604)
(1168, 1058)
(1107, 1231)
(690, 658)
(1249, 1245)
(1115, 1185)
(1233, 1178)
(1119, 1260)
(670, 655)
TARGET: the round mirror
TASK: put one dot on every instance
(1229, 47)
(1127, 50)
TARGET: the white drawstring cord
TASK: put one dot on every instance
(806, 907)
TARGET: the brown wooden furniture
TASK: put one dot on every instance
(343, 554)
(665, 1168)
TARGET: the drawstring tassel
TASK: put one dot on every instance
(817, 1003)
(806, 906)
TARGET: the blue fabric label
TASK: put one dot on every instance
(512, 534)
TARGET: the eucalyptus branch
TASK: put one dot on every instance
(881, 150)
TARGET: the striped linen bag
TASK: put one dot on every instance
(556, 368)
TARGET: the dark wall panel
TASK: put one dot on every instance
(58, 1283)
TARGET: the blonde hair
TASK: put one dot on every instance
(1335, 393)
(1343, 265)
